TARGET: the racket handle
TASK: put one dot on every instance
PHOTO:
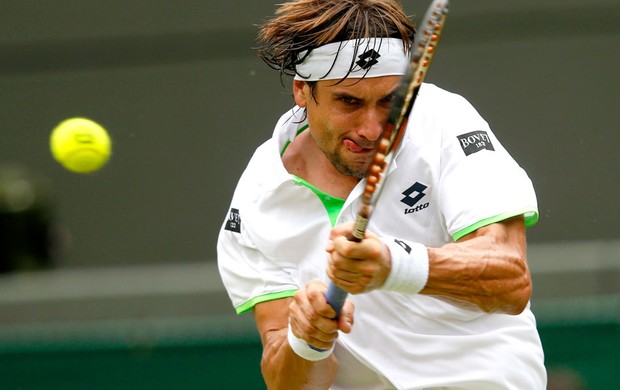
(335, 296)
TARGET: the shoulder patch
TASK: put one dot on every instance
(234, 221)
(475, 141)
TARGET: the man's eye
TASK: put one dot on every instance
(348, 100)
(388, 99)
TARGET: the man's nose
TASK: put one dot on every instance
(372, 125)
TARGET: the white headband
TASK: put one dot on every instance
(356, 58)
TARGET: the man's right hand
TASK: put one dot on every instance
(312, 318)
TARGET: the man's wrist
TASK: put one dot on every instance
(409, 266)
(304, 350)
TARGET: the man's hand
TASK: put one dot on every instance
(357, 267)
(311, 317)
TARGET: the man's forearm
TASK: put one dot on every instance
(487, 269)
(284, 370)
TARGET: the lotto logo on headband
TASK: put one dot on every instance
(368, 59)
(337, 60)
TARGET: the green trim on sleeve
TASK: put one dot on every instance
(531, 217)
(249, 305)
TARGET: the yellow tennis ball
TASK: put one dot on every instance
(80, 145)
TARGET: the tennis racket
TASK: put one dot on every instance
(424, 45)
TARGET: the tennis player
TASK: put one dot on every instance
(440, 285)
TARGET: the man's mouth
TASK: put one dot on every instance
(356, 148)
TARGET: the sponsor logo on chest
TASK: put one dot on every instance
(413, 198)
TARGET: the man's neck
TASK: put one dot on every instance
(304, 159)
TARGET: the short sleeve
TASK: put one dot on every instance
(249, 276)
(480, 183)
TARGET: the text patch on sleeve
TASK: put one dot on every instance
(475, 141)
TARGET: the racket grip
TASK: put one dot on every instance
(335, 296)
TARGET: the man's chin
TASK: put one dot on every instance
(356, 169)
(358, 172)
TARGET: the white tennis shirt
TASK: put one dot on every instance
(450, 176)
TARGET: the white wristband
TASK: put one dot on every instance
(409, 271)
(301, 348)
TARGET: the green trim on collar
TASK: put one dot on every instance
(333, 205)
(249, 305)
(288, 142)
(531, 217)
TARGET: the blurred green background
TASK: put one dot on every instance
(109, 280)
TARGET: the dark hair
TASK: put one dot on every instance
(302, 25)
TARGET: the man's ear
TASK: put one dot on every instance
(301, 92)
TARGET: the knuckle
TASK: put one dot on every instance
(374, 251)
(313, 317)
(347, 248)
(357, 289)
(297, 299)
(306, 329)
(366, 280)
(369, 268)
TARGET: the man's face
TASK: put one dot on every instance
(346, 119)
